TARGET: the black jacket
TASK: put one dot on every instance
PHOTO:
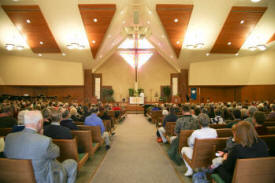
(58, 132)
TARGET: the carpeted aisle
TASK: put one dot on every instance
(135, 156)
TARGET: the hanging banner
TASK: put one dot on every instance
(193, 93)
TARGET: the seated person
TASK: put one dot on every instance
(218, 118)
(155, 108)
(6, 119)
(54, 130)
(271, 115)
(46, 116)
(237, 117)
(94, 120)
(171, 117)
(2, 146)
(20, 122)
(203, 133)
(258, 120)
(67, 121)
(248, 146)
(251, 111)
(31, 144)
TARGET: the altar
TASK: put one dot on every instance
(136, 100)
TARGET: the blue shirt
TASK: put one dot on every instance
(93, 120)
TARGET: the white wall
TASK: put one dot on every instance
(121, 76)
(257, 69)
(15, 70)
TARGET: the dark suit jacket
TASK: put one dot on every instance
(170, 118)
(226, 170)
(69, 124)
(7, 122)
(58, 132)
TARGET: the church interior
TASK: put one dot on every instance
(136, 84)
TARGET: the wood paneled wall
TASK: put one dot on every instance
(234, 93)
(63, 93)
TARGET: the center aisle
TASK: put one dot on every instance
(135, 156)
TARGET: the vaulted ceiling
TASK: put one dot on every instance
(221, 28)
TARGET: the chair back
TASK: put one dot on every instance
(170, 128)
(184, 134)
(84, 140)
(15, 170)
(256, 170)
(204, 150)
(68, 149)
(96, 132)
(271, 130)
(217, 126)
(224, 132)
(107, 125)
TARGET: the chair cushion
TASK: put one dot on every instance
(81, 155)
(217, 178)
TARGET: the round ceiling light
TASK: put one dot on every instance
(95, 20)
(252, 48)
(176, 20)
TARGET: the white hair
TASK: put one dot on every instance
(20, 117)
(32, 117)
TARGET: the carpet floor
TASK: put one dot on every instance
(135, 156)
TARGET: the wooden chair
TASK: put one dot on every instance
(96, 133)
(217, 126)
(5, 131)
(224, 132)
(156, 116)
(269, 123)
(78, 123)
(254, 170)
(170, 128)
(68, 150)
(204, 151)
(271, 130)
(107, 125)
(85, 141)
(15, 170)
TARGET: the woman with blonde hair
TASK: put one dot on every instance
(248, 145)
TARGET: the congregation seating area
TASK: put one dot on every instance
(86, 142)
(204, 150)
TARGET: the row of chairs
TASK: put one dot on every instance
(87, 138)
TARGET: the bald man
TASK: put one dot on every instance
(31, 144)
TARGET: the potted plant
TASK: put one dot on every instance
(166, 92)
(131, 92)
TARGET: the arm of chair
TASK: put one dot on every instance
(216, 178)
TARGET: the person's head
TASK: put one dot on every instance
(94, 110)
(56, 116)
(204, 120)
(258, 117)
(20, 117)
(197, 111)
(33, 119)
(251, 110)
(244, 113)
(185, 108)
(66, 114)
(73, 111)
(245, 134)
(172, 110)
(5, 109)
(237, 114)
(46, 113)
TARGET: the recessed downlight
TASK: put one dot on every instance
(178, 42)
(95, 20)
(176, 20)
(63, 54)
(40, 54)
(28, 21)
(93, 41)
(229, 43)
(207, 54)
(41, 42)
(255, 1)
(242, 22)
(237, 54)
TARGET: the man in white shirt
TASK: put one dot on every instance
(203, 133)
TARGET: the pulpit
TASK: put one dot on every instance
(136, 100)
